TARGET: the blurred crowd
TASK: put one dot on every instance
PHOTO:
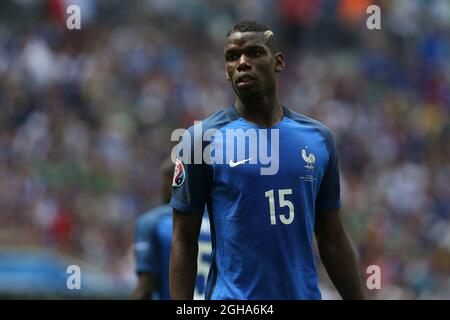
(86, 118)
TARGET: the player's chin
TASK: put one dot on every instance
(246, 90)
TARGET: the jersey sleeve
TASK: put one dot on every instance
(145, 248)
(329, 196)
(192, 176)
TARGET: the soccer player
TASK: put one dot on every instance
(153, 237)
(262, 225)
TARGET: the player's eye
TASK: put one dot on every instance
(255, 53)
(231, 56)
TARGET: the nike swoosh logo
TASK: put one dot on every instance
(235, 164)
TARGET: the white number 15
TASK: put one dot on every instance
(283, 203)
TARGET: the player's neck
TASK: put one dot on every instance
(264, 112)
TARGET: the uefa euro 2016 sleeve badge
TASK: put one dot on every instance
(179, 174)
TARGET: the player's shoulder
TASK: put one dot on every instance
(153, 216)
(304, 120)
(216, 120)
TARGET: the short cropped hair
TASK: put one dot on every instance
(248, 26)
(255, 26)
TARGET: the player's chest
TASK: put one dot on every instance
(291, 160)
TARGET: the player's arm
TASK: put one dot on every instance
(144, 287)
(183, 258)
(337, 255)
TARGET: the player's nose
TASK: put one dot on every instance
(243, 64)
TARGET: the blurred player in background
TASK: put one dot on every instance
(153, 236)
(262, 225)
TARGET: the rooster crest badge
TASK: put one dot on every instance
(309, 159)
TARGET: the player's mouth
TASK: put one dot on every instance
(245, 80)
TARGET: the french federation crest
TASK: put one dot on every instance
(179, 174)
(309, 159)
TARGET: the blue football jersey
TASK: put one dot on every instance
(262, 225)
(153, 238)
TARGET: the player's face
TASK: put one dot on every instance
(250, 64)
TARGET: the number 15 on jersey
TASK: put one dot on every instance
(282, 203)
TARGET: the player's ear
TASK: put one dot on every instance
(227, 76)
(279, 62)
